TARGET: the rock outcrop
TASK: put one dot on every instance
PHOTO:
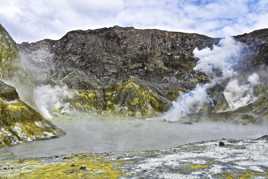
(19, 122)
(8, 54)
(132, 98)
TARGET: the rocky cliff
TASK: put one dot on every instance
(8, 53)
(123, 70)
(130, 71)
(18, 121)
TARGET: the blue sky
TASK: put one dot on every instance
(32, 20)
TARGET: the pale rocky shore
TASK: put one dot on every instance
(219, 159)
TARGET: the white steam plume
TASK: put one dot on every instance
(188, 103)
(220, 60)
(34, 68)
(254, 79)
(218, 63)
(30, 81)
(48, 99)
(238, 95)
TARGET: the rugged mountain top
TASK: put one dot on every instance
(95, 61)
(99, 60)
(107, 55)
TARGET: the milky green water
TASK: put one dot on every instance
(89, 134)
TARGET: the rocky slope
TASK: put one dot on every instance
(130, 71)
(18, 121)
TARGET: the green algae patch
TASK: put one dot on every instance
(189, 168)
(199, 166)
(127, 98)
(75, 167)
(8, 54)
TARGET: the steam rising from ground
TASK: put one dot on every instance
(48, 99)
(31, 81)
(238, 95)
(220, 61)
(220, 64)
(38, 63)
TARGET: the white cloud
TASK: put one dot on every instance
(30, 20)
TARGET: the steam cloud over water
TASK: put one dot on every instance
(48, 98)
(31, 81)
(219, 64)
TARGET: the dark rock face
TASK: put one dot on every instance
(163, 61)
(8, 92)
(112, 54)
(258, 43)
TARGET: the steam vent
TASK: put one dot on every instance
(128, 103)
(19, 121)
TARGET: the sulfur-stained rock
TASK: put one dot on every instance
(19, 122)
(94, 62)
(127, 98)
(8, 53)
(259, 108)
(72, 167)
(236, 159)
